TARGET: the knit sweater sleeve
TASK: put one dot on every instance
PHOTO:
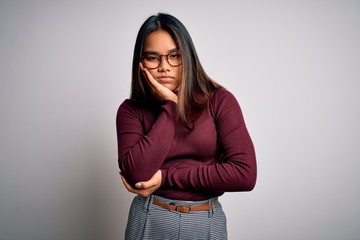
(235, 170)
(140, 153)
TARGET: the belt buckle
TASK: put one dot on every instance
(183, 209)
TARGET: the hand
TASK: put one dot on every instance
(144, 189)
(158, 90)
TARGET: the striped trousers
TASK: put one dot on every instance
(151, 222)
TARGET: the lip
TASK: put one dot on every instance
(165, 79)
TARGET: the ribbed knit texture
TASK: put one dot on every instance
(217, 156)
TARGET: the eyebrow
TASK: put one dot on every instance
(154, 52)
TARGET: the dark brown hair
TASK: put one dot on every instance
(195, 86)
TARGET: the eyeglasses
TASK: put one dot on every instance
(153, 61)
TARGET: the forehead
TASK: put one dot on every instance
(159, 41)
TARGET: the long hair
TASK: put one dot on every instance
(195, 86)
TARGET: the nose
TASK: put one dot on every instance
(164, 65)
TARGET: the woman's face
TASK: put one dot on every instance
(158, 43)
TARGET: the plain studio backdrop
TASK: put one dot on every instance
(65, 67)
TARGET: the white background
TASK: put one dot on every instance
(65, 67)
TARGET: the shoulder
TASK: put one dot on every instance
(133, 108)
(221, 94)
(222, 98)
(129, 108)
(129, 104)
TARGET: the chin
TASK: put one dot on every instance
(171, 87)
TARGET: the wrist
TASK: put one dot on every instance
(175, 99)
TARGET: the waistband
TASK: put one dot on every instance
(184, 206)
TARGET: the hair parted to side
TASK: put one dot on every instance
(195, 86)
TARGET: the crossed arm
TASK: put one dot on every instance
(235, 171)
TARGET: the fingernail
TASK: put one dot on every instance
(138, 185)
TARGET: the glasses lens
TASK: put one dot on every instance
(174, 59)
(152, 61)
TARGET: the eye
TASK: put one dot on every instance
(174, 55)
(152, 58)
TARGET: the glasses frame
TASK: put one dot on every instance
(161, 58)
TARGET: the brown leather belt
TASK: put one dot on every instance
(186, 209)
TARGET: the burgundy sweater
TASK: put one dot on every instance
(217, 156)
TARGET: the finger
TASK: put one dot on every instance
(154, 181)
(145, 71)
(144, 185)
(126, 184)
(150, 78)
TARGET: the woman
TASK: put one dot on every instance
(182, 139)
